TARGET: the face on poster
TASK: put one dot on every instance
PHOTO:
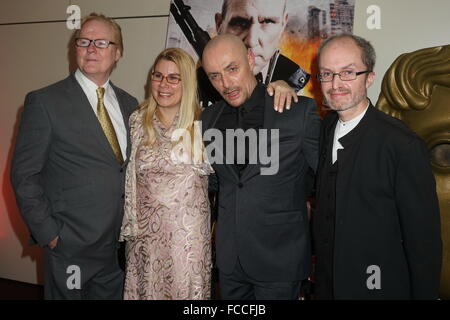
(283, 34)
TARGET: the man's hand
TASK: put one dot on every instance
(52, 244)
(283, 95)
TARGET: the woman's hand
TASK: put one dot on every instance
(284, 95)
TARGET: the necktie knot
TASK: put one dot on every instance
(100, 93)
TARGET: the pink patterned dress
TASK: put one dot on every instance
(166, 222)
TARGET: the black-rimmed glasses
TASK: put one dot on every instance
(346, 75)
(98, 43)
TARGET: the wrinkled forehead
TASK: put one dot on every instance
(247, 8)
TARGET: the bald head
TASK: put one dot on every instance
(224, 42)
(229, 64)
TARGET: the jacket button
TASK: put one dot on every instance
(121, 169)
(123, 196)
(240, 184)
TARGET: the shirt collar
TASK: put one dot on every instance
(357, 129)
(354, 122)
(88, 83)
(256, 98)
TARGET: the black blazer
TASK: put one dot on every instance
(67, 180)
(387, 211)
(262, 218)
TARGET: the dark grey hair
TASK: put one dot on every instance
(368, 52)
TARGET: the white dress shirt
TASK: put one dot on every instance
(342, 128)
(111, 105)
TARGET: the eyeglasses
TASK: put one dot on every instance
(98, 43)
(171, 78)
(345, 75)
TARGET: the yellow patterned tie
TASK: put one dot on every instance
(108, 128)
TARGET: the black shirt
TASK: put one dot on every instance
(249, 115)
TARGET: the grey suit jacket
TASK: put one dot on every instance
(66, 179)
(263, 218)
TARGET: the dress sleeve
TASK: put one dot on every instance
(130, 227)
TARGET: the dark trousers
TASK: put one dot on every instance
(80, 278)
(239, 286)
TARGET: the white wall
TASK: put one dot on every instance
(406, 25)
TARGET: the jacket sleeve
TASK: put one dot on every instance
(418, 208)
(29, 160)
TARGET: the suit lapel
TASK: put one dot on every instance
(269, 120)
(211, 123)
(89, 123)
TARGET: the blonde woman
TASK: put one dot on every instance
(167, 219)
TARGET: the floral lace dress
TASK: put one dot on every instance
(166, 221)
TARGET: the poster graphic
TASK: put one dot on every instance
(284, 35)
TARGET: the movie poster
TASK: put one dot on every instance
(284, 35)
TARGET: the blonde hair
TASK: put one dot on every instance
(102, 18)
(189, 106)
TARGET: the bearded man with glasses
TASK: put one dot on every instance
(376, 228)
(68, 168)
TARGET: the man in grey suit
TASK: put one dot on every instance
(68, 168)
(262, 235)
